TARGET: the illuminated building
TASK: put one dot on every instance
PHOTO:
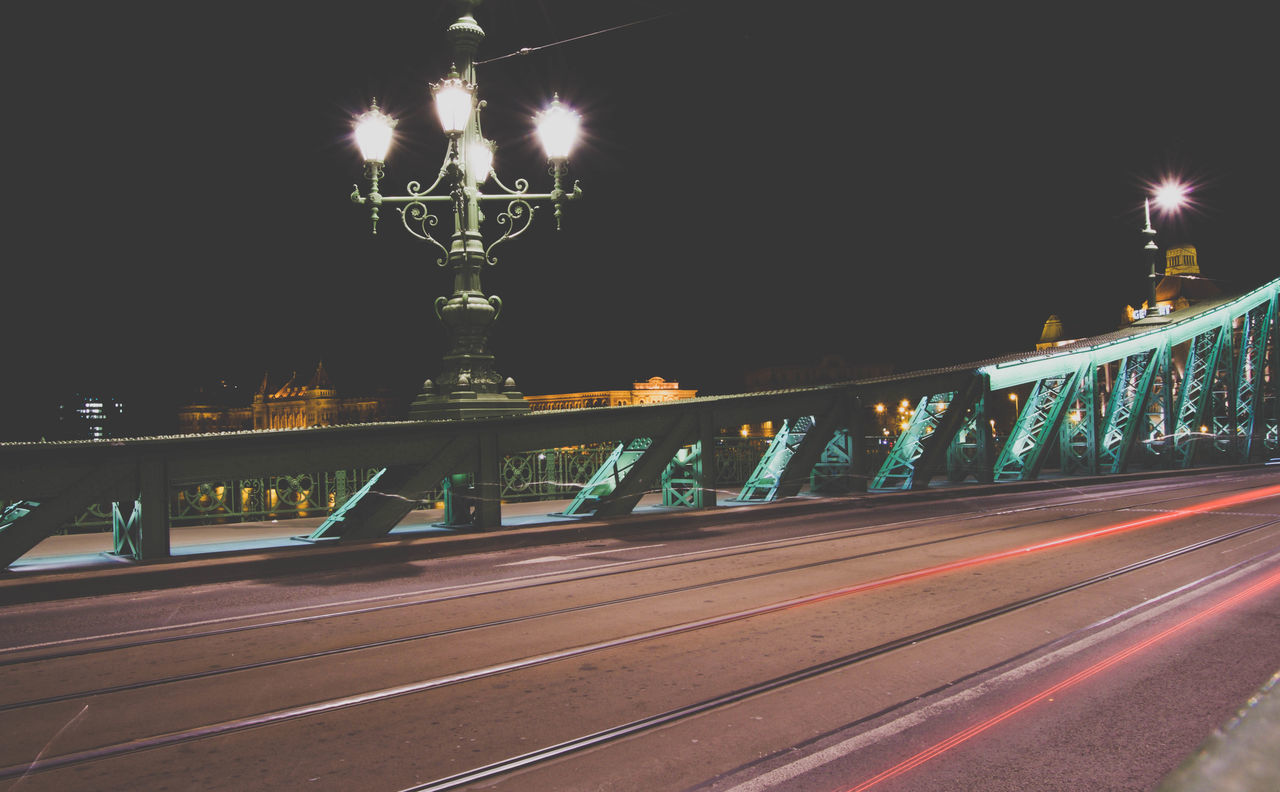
(1181, 286)
(91, 417)
(651, 391)
(291, 406)
(1053, 334)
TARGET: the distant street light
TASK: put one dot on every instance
(469, 385)
(1013, 397)
(1170, 195)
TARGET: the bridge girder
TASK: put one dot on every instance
(1230, 384)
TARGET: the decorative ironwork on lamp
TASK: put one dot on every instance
(468, 386)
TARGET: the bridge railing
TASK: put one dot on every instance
(1194, 388)
(545, 474)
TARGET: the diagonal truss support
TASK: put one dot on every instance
(762, 485)
(682, 479)
(1204, 357)
(1250, 415)
(1028, 444)
(809, 449)
(607, 478)
(921, 448)
(1155, 432)
(26, 523)
(970, 451)
(389, 496)
(1128, 396)
(1078, 428)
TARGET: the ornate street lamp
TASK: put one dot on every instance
(1170, 195)
(468, 386)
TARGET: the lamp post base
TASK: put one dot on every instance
(461, 405)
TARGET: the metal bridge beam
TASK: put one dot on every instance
(1078, 429)
(1251, 418)
(799, 469)
(1204, 359)
(921, 449)
(1128, 396)
(1028, 444)
(391, 495)
(42, 519)
(645, 473)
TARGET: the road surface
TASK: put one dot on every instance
(1066, 639)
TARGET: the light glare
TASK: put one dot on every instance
(558, 130)
(374, 130)
(453, 103)
(1171, 195)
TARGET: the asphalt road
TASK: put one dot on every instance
(1070, 639)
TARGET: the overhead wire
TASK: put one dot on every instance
(528, 50)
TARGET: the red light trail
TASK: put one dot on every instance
(951, 566)
(963, 736)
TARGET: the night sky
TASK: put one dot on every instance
(766, 183)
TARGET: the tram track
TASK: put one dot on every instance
(403, 639)
(24, 654)
(586, 742)
(262, 719)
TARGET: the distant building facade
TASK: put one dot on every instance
(293, 405)
(91, 418)
(651, 391)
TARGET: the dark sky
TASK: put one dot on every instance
(917, 184)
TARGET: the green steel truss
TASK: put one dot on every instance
(899, 470)
(769, 473)
(835, 465)
(608, 477)
(1250, 418)
(970, 451)
(1078, 429)
(1210, 366)
(1028, 444)
(1201, 370)
(1155, 432)
(682, 479)
(1125, 408)
(126, 529)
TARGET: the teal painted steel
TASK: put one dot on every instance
(899, 469)
(605, 480)
(1028, 444)
(1128, 395)
(1155, 436)
(762, 486)
(126, 539)
(830, 474)
(1146, 407)
(1194, 397)
(1249, 380)
(330, 528)
(682, 480)
(1078, 430)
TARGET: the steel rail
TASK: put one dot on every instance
(636, 565)
(585, 742)
(581, 743)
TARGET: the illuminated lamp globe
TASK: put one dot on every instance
(1171, 195)
(373, 134)
(480, 159)
(453, 97)
(558, 130)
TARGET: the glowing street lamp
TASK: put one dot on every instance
(1170, 195)
(469, 385)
